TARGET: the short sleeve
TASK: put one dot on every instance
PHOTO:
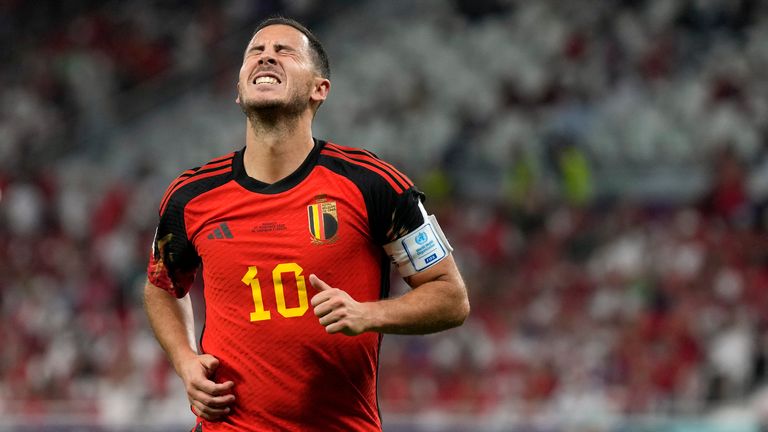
(391, 199)
(173, 262)
(395, 214)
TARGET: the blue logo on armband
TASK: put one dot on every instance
(421, 238)
(423, 247)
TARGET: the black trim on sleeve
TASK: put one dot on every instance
(385, 280)
(387, 210)
(406, 216)
(178, 253)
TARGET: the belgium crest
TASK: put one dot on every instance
(323, 220)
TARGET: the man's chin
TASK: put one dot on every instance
(270, 108)
(262, 107)
(258, 105)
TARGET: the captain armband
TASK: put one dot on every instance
(420, 249)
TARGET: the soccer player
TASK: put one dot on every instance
(295, 237)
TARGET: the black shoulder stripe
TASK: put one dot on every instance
(389, 167)
(187, 192)
(375, 168)
(185, 177)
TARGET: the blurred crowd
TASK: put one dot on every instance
(600, 168)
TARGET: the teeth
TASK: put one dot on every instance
(265, 80)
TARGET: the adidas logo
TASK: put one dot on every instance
(221, 232)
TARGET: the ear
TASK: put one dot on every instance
(237, 88)
(320, 91)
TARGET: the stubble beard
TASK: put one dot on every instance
(272, 112)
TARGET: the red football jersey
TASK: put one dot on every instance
(257, 244)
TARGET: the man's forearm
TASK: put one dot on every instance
(438, 301)
(172, 321)
(432, 307)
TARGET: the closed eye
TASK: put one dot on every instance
(278, 48)
(283, 48)
(255, 49)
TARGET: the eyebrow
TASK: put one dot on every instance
(260, 46)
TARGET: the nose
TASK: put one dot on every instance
(267, 58)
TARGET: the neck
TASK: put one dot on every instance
(276, 147)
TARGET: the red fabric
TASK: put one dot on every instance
(289, 374)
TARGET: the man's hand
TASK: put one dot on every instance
(338, 311)
(209, 400)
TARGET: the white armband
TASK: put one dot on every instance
(420, 249)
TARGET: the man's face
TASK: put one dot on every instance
(278, 72)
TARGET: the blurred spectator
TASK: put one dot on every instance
(565, 147)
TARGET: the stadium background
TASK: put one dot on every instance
(600, 166)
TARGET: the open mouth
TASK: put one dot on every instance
(265, 79)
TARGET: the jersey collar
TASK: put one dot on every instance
(282, 185)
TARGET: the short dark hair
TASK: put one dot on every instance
(320, 57)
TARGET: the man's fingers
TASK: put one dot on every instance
(208, 413)
(221, 401)
(212, 388)
(210, 400)
(334, 328)
(211, 407)
(323, 308)
(332, 307)
(209, 362)
(330, 318)
(213, 401)
(318, 284)
(325, 291)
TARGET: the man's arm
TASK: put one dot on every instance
(173, 323)
(438, 301)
